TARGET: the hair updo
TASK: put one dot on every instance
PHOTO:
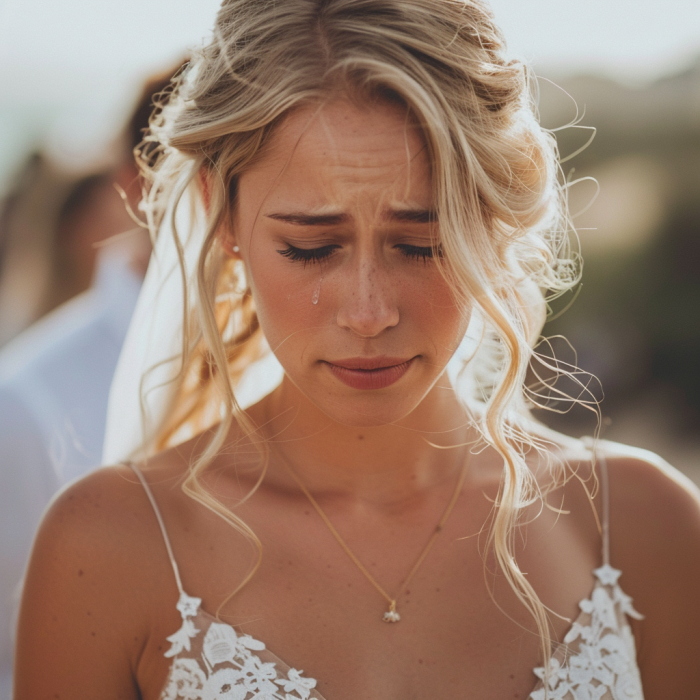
(504, 227)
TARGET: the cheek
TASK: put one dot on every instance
(298, 307)
(439, 317)
(427, 299)
(283, 300)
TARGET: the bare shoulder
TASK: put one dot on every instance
(649, 498)
(655, 542)
(103, 528)
(88, 603)
(647, 495)
(654, 524)
(97, 516)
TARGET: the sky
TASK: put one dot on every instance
(633, 40)
(73, 64)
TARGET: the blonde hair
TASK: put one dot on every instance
(504, 228)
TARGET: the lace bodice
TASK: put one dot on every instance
(598, 659)
(211, 661)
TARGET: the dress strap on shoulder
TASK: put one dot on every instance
(164, 532)
(600, 462)
(605, 498)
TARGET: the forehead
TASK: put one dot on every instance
(342, 155)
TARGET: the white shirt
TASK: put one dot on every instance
(54, 385)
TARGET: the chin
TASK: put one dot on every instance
(367, 411)
(355, 408)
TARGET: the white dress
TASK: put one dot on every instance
(597, 660)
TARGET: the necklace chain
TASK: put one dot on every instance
(391, 615)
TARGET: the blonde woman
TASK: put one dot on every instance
(360, 185)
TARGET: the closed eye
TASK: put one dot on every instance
(308, 255)
(417, 252)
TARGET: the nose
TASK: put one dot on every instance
(368, 303)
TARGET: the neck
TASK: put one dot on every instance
(383, 464)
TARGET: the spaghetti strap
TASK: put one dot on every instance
(599, 460)
(605, 497)
(164, 532)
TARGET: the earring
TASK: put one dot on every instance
(230, 249)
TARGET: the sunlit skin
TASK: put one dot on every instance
(340, 212)
(100, 595)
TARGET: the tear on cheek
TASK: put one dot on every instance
(317, 292)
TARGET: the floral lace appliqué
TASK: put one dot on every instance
(188, 607)
(227, 667)
(600, 660)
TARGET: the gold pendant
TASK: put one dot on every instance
(391, 615)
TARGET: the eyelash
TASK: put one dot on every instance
(307, 255)
(317, 255)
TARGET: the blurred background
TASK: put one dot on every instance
(73, 71)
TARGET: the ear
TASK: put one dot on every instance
(226, 238)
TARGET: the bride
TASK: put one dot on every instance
(362, 187)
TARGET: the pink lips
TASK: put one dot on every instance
(370, 372)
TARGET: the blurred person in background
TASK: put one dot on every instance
(55, 376)
(90, 217)
(29, 220)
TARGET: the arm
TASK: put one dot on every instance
(28, 483)
(83, 618)
(655, 541)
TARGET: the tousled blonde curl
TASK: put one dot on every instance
(504, 227)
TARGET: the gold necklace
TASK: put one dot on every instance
(391, 615)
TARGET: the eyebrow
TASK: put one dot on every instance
(301, 219)
(416, 216)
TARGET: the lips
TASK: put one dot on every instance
(369, 373)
